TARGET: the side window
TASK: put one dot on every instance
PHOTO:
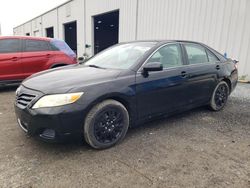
(212, 57)
(10, 45)
(169, 56)
(196, 53)
(36, 45)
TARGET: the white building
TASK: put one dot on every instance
(89, 26)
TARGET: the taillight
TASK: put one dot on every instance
(236, 64)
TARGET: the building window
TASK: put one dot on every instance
(50, 32)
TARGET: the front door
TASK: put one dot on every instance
(162, 91)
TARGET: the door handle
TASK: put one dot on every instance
(48, 55)
(218, 67)
(183, 74)
(14, 58)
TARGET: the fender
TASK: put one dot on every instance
(129, 103)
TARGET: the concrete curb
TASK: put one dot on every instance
(244, 81)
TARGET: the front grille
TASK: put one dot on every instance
(24, 99)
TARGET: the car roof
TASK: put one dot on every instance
(25, 37)
(162, 41)
(136, 41)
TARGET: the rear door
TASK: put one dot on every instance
(10, 56)
(37, 56)
(162, 91)
(203, 71)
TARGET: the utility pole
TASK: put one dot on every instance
(0, 30)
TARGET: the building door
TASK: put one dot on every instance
(50, 32)
(70, 35)
(106, 30)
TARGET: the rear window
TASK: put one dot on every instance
(62, 46)
(211, 57)
(36, 45)
(196, 53)
(10, 45)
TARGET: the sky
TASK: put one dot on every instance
(16, 12)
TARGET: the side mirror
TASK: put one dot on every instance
(153, 66)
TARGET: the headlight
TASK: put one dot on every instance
(57, 100)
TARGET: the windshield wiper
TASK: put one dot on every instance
(96, 66)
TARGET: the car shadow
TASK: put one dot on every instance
(78, 144)
(166, 121)
(8, 88)
(68, 145)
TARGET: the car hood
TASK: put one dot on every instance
(63, 80)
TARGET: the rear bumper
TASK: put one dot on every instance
(234, 80)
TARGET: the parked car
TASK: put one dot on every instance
(123, 86)
(21, 57)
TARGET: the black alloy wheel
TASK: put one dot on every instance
(106, 124)
(220, 96)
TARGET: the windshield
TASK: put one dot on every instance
(121, 57)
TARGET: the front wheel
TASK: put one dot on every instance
(219, 97)
(106, 124)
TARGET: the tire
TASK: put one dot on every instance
(58, 65)
(219, 97)
(106, 124)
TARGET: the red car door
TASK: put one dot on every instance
(36, 57)
(10, 60)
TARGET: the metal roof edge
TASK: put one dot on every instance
(44, 13)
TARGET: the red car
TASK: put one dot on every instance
(21, 57)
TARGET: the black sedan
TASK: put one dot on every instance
(123, 86)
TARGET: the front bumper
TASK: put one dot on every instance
(51, 124)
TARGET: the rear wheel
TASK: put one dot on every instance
(58, 65)
(220, 96)
(106, 124)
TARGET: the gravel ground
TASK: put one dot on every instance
(199, 148)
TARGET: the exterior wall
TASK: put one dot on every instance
(73, 11)
(18, 30)
(127, 18)
(27, 28)
(36, 26)
(222, 24)
(50, 20)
